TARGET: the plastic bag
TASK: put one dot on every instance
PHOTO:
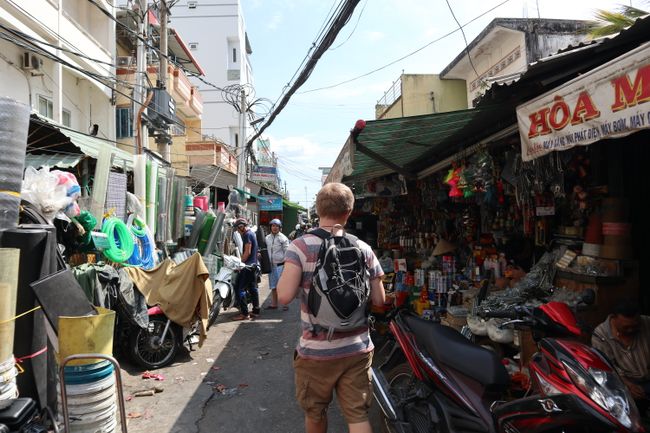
(47, 190)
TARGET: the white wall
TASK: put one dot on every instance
(217, 26)
(81, 29)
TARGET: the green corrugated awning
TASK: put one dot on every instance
(250, 194)
(91, 146)
(292, 205)
(52, 160)
(406, 145)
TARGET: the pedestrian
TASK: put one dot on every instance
(276, 245)
(247, 279)
(325, 359)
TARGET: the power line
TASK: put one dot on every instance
(469, 57)
(353, 29)
(405, 56)
(327, 40)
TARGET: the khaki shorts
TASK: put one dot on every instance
(350, 377)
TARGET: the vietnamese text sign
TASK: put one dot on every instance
(264, 174)
(610, 101)
(270, 203)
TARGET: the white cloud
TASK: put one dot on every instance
(374, 36)
(275, 21)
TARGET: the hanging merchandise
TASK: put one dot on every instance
(120, 240)
(452, 179)
(206, 229)
(51, 191)
(88, 223)
(143, 250)
(14, 126)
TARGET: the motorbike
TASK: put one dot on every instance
(223, 286)
(156, 345)
(436, 380)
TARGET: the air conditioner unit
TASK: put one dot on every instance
(31, 62)
(124, 61)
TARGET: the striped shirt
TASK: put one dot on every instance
(632, 362)
(303, 252)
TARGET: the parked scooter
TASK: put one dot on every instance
(437, 380)
(223, 286)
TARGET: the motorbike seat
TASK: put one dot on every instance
(449, 347)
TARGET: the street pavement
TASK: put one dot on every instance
(241, 380)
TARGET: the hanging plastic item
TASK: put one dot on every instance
(452, 179)
(143, 250)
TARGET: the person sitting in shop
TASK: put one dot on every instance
(624, 337)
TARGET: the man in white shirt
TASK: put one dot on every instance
(276, 245)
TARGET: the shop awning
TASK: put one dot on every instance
(407, 144)
(47, 137)
(292, 205)
(52, 160)
(250, 194)
(219, 177)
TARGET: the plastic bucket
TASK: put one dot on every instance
(9, 260)
(91, 375)
(87, 334)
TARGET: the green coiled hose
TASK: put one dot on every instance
(120, 240)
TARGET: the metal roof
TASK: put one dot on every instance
(408, 142)
(58, 160)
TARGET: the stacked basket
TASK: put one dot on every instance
(90, 391)
(8, 387)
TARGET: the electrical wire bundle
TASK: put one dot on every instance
(120, 240)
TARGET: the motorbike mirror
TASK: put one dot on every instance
(588, 297)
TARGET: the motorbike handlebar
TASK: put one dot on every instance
(517, 312)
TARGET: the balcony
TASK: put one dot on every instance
(210, 152)
(196, 102)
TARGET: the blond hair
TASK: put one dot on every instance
(334, 200)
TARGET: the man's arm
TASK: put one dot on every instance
(289, 284)
(377, 293)
(247, 251)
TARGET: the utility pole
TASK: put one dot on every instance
(163, 147)
(241, 144)
(141, 12)
(307, 203)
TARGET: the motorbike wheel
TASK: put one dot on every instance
(399, 379)
(146, 348)
(217, 301)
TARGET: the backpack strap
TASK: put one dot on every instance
(321, 233)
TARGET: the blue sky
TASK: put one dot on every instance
(311, 130)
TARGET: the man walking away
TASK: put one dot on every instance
(247, 279)
(276, 244)
(326, 359)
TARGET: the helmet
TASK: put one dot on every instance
(276, 222)
(240, 221)
(297, 226)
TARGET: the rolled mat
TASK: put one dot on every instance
(196, 230)
(9, 262)
(206, 228)
(214, 234)
(14, 124)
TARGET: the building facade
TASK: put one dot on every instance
(70, 85)
(415, 94)
(504, 49)
(215, 32)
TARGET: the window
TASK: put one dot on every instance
(45, 107)
(66, 118)
(234, 55)
(194, 46)
(124, 122)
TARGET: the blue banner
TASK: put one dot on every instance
(270, 202)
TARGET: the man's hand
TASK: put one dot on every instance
(636, 390)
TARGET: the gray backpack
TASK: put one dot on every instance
(338, 298)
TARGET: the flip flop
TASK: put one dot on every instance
(271, 307)
(241, 317)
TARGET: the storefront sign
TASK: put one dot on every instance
(270, 203)
(611, 101)
(344, 163)
(264, 174)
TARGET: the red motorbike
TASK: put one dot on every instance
(436, 380)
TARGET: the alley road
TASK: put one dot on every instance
(241, 380)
